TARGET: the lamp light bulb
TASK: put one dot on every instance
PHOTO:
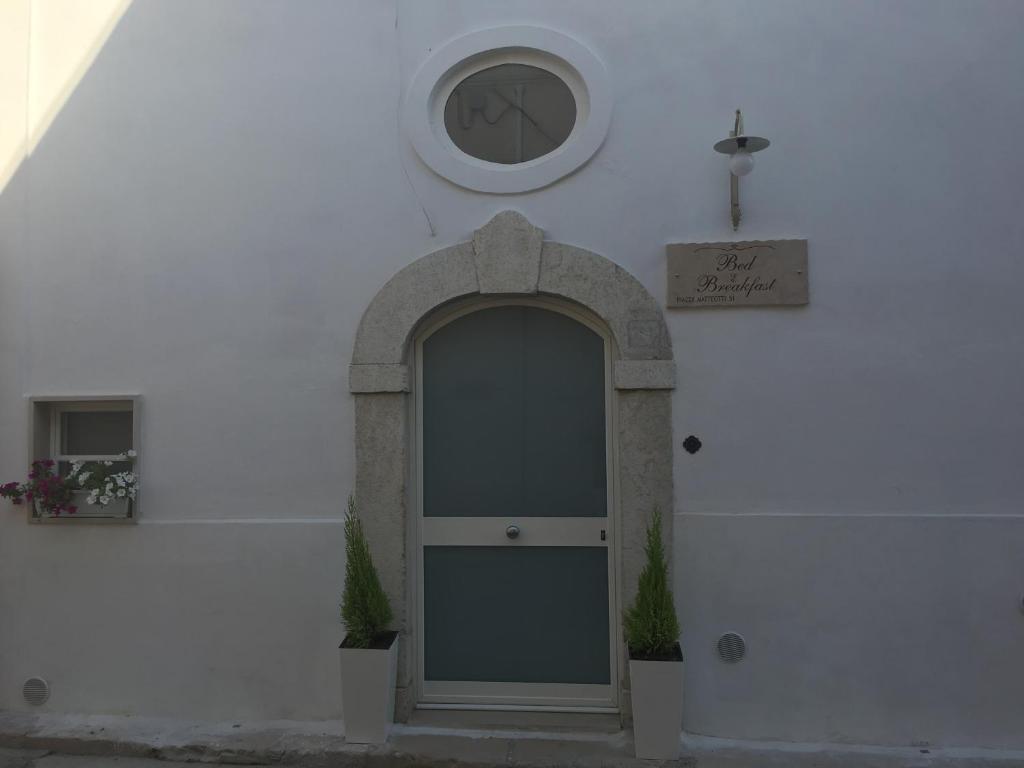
(741, 163)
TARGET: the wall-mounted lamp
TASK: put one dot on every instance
(740, 148)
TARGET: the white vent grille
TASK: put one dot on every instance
(36, 691)
(731, 647)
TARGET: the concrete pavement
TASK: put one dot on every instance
(28, 758)
(49, 741)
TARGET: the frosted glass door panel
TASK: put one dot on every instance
(516, 614)
(514, 417)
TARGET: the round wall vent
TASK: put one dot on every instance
(731, 647)
(36, 691)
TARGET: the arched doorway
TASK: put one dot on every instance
(508, 259)
(515, 567)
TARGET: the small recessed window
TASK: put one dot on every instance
(510, 114)
(87, 430)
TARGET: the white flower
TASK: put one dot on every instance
(108, 463)
(84, 476)
(75, 466)
(120, 493)
(131, 494)
(104, 500)
(93, 495)
(119, 479)
(132, 454)
(129, 477)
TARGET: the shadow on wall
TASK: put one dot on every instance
(46, 47)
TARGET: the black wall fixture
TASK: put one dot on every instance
(692, 444)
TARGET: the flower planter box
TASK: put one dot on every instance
(118, 509)
(657, 695)
(368, 691)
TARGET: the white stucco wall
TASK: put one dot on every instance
(226, 188)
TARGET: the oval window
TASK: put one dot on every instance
(510, 114)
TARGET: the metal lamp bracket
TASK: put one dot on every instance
(737, 141)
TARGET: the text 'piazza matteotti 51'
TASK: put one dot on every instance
(747, 274)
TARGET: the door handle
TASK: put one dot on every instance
(512, 531)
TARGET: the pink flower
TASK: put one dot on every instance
(72, 509)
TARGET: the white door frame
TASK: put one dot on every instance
(563, 697)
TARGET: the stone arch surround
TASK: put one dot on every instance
(507, 257)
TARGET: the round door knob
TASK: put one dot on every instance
(512, 531)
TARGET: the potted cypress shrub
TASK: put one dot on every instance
(655, 658)
(369, 652)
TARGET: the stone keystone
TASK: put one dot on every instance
(507, 254)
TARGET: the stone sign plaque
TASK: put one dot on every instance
(747, 274)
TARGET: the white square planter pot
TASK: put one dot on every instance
(656, 689)
(368, 692)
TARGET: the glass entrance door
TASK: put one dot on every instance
(515, 532)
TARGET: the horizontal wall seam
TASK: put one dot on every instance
(837, 515)
(249, 521)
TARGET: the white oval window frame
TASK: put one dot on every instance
(570, 60)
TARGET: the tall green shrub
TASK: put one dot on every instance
(364, 605)
(651, 626)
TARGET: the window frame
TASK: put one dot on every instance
(569, 59)
(45, 416)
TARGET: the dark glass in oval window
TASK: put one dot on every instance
(509, 114)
